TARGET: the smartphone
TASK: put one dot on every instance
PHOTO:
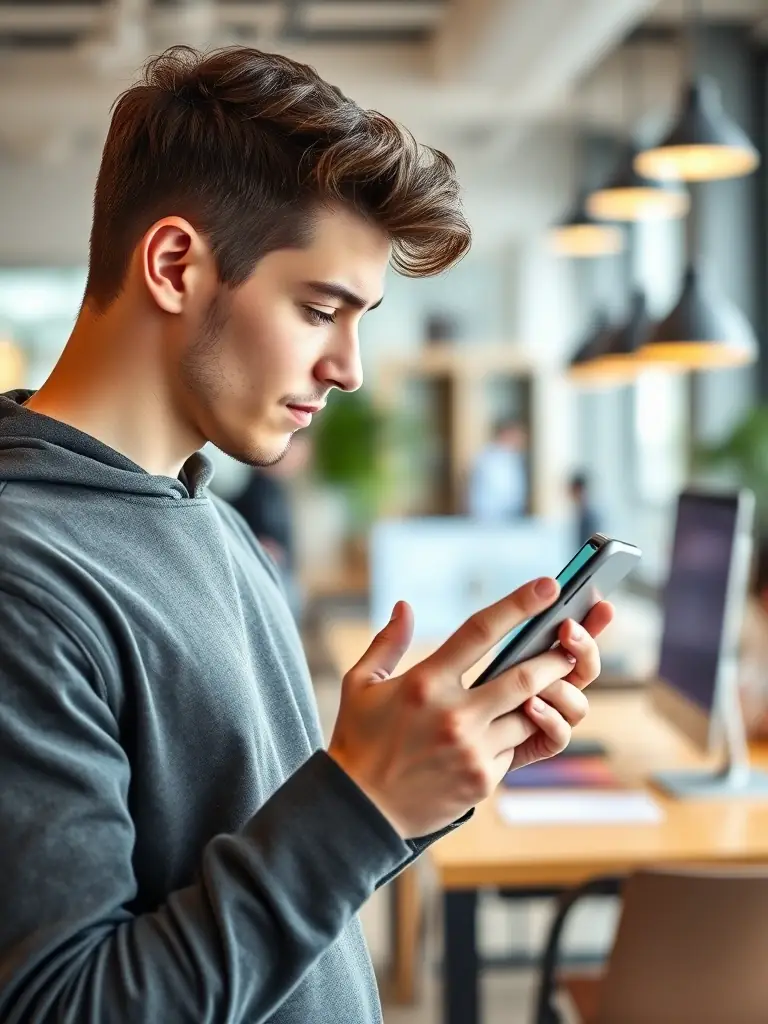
(591, 575)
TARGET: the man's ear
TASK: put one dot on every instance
(175, 261)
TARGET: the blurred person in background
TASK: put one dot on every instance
(498, 481)
(586, 519)
(177, 844)
(265, 503)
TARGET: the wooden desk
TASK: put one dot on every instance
(486, 853)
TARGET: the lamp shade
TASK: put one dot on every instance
(587, 367)
(704, 144)
(703, 331)
(582, 236)
(627, 196)
(620, 356)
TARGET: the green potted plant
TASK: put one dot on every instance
(349, 454)
(741, 459)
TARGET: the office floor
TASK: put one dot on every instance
(507, 994)
(507, 1001)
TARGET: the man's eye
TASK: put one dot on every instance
(317, 316)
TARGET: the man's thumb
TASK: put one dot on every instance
(387, 647)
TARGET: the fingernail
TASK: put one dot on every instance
(545, 587)
(538, 706)
(395, 613)
(570, 658)
(577, 633)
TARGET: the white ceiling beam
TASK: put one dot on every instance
(197, 22)
(534, 48)
(52, 88)
(121, 38)
(21, 19)
(330, 14)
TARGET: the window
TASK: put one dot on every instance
(38, 307)
(661, 436)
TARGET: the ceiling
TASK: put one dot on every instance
(61, 24)
(498, 84)
(56, 24)
(672, 12)
(453, 69)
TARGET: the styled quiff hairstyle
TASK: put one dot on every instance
(247, 146)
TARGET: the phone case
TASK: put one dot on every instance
(602, 574)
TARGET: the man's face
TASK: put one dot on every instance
(268, 352)
(512, 437)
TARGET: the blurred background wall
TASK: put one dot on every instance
(535, 101)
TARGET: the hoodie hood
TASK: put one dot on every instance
(38, 449)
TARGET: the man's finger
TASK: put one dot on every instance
(507, 733)
(599, 618)
(551, 737)
(483, 630)
(518, 684)
(583, 647)
(387, 647)
(567, 699)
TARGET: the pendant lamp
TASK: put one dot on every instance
(582, 236)
(704, 144)
(627, 196)
(619, 360)
(704, 331)
(585, 368)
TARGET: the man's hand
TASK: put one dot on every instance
(424, 747)
(560, 707)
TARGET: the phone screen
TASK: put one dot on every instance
(579, 559)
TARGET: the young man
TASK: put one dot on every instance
(175, 844)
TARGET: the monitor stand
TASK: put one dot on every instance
(735, 780)
(730, 783)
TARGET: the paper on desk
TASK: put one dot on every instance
(579, 807)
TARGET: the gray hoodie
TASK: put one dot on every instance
(175, 845)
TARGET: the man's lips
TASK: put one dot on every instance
(303, 413)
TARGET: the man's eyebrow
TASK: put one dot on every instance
(338, 291)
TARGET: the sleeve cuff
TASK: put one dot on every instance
(348, 843)
(418, 846)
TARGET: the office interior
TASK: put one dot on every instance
(614, 325)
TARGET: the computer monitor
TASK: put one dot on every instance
(448, 567)
(704, 601)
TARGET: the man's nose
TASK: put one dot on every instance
(342, 369)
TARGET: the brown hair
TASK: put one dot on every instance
(245, 145)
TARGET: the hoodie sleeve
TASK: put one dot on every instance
(268, 901)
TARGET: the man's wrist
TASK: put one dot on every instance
(369, 791)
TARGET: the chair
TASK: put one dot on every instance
(691, 946)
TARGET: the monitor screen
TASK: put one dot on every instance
(449, 567)
(695, 595)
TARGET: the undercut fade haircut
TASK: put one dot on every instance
(246, 146)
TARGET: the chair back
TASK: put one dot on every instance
(690, 946)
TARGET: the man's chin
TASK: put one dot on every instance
(261, 453)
